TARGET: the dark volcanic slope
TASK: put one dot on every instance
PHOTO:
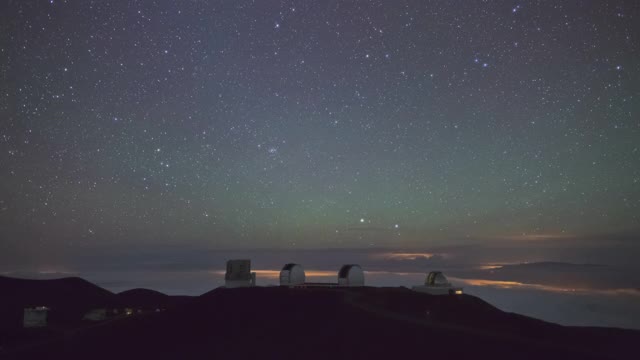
(265, 323)
(150, 299)
(56, 292)
(69, 297)
(143, 297)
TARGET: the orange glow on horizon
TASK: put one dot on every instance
(537, 237)
(274, 274)
(490, 267)
(308, 273)
(406, 255)
(398, 273)
(501, 284)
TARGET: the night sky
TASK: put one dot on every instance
(316, 124)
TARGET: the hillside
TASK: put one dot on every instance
(55, 292)
(70, 297)
(321, 323)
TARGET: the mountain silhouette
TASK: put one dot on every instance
(321, 323)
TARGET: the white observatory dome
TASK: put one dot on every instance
(292, 274)
(351, 275)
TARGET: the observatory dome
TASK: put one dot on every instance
(437, 284)
(351, 275)
(436, 278)
(292, 274)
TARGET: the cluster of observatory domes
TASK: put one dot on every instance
(350, 275)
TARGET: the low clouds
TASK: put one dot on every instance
(532, 280)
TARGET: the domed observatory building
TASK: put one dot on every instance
(437, 284)
(292, 274)
(351, 275)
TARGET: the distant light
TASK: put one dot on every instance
(618, 67)
(396, 226)
(458, 292)
(362, 220)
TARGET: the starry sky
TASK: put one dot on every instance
(316, 124)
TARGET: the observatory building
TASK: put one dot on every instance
(96, 315)
(437, 284)
(35, 317)
(291, 275)
(351, 275)
(239, 274)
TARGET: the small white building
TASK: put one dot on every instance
(95, 315)
(35, 317)
(437, 284)
(292, 274)
(351, 275)
(239, 274)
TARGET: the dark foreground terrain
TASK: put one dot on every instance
(277, 322)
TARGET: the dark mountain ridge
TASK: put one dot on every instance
(320, 323)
